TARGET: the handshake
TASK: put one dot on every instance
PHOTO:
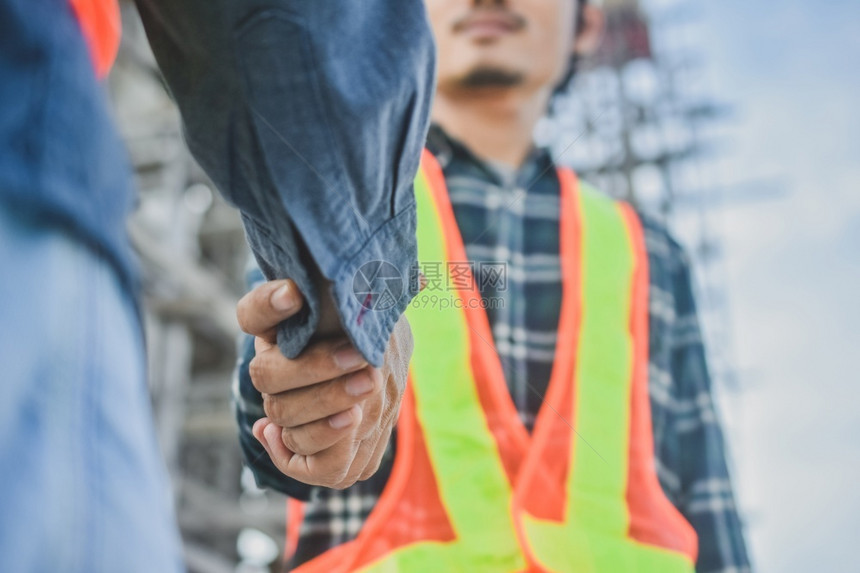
(329, 414)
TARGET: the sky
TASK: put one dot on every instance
(790, 70)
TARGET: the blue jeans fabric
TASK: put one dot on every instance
(82, 485)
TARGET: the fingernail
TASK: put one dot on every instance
(282, 299)
(342, 420)
(347, 357)
(358, 385)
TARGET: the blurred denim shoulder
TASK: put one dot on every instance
(61, 159)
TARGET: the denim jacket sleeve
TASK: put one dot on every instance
(310, 118)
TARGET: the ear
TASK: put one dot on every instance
(590, 32)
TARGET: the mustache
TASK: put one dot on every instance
(513, 21)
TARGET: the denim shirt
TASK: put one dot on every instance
(310, 117)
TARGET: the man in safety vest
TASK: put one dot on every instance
(558, 415)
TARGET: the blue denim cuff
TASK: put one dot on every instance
(371, 289)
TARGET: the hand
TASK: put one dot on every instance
(329, 415)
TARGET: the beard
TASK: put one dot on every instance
(490, 77)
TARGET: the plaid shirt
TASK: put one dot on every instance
(513, 217)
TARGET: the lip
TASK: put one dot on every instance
(485, 24)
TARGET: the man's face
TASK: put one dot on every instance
(496, 43)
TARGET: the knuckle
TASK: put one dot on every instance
(370, 471)
(289, 439)
(348, 482)
(312, 364)
(305, 441)
(345, 481)
(335, 480)
(326, 397)
(294, 442)
(273, 406)
(337, 474)
(267, 406)
(257, 371)
(353, 475)
(325, 361)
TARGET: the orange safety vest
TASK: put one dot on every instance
(101, 25)
(470, 489)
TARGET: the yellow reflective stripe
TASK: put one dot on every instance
(603, 371)
(593, 535)
(472, 483)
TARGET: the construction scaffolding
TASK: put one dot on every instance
(631, 124)
(635, 123)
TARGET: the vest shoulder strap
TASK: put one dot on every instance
(101, 25)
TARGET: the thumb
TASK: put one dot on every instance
(262, 309)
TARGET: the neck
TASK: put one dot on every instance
(496, 125)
